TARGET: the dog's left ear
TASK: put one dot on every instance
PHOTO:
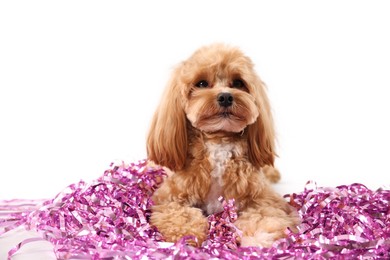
(167, 138)
(261, 134)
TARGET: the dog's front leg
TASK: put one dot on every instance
(266, 220)
(173, 213)
(175, 221)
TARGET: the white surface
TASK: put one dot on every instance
(34, 250)
(79, 82)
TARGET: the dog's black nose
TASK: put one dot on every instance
(225, 99)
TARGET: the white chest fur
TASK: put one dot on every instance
(219, 155)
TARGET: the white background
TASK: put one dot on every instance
(79, 82)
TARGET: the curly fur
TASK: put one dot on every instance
(214, 149)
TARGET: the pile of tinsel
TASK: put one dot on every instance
(108, 219)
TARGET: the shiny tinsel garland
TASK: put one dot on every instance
(108, 219)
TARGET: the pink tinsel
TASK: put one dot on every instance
(108, 218)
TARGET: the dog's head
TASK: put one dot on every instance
(215, 90)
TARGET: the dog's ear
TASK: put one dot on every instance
(167, 138)
(261, 134)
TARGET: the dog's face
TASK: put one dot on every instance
(215, 90)
(219, 90)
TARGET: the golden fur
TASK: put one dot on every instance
(214, 132)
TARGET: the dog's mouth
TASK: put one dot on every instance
(225, 114)
(222, 115)
(225, 120)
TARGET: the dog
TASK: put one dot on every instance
(213, 133)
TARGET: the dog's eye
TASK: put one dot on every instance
(237, 83)
(202, 84)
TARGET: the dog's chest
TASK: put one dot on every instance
(218, 155)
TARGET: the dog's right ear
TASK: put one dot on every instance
(167, 138)
(261, 134)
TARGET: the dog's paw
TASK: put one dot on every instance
(260, 239)
(174, 222)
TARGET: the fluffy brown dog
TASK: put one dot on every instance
(214, 131)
